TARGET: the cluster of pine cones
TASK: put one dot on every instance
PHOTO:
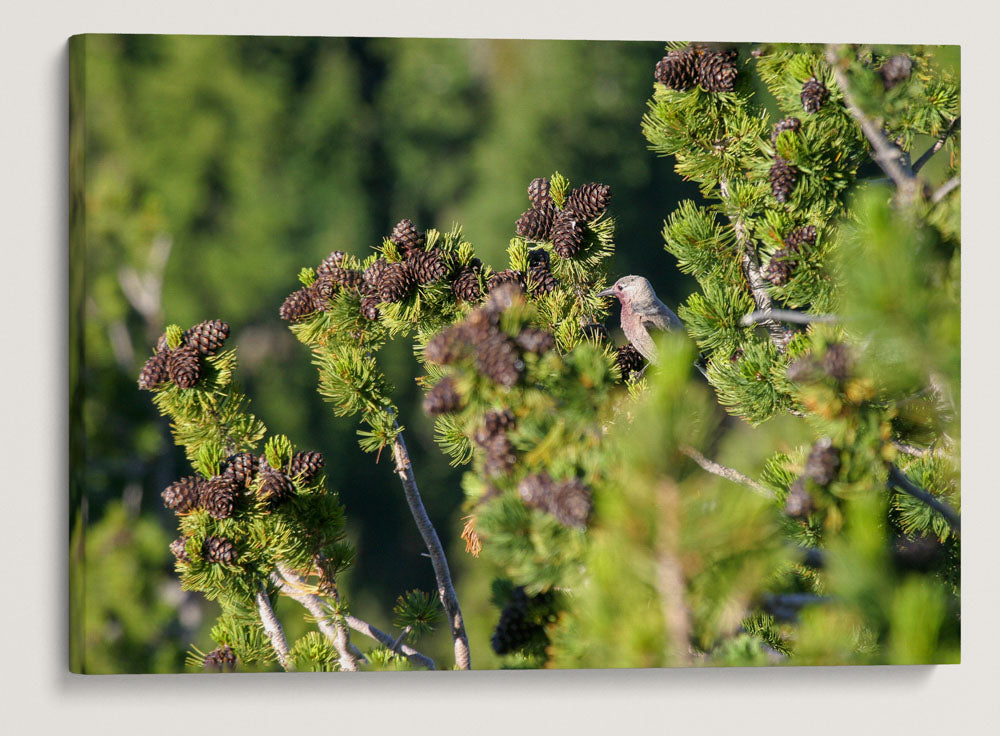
(182, 364)
(783, 262)
(522, 622)
(565, 227)
(497, 356)
(493, 437)
(219, 494)
(682, 69)
(569, 501)
(538, 280)
(783, 175)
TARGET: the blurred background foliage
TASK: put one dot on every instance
(207, 170)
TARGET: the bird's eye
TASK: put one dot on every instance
(618, 286)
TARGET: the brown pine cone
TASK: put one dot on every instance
(783, 177)
(567, 234)
(541, 280)
(798, 502)
(498, 420)
(373, 274)
(306, 464)
(218, 549)
(630, 362)
(427, 266)
(207, 337)
(221, 658)
(397, 282)
(465, 287)
(273, 485)
(538, 192)
(589, 201)
(443, 398)
(346, 277)
(814, 94)
(536, 341)
(407, 237)
(596, 332)
(780, 268)
(823, 462)
(536, 223)
(446, 347)
(717, 70)
(500, 458)
(297, 305)
(329, 263)
(218, 497)
(241, 468)
(184, 495)
(792, 124)
(184, 366)
(678, 69)
(154, 372)
(896, 70)
(179, 549)
(803, 235)
(497, 359)
(507, 276)
(322, 291)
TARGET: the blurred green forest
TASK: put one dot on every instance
(205, 172)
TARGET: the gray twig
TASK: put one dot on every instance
(898, 479)
(786, 315)
(446, 589)
(938, 144)
(273, 628)
(889, 157)
(380, 636)
(723, 472)
(332, 627)
(945, 189)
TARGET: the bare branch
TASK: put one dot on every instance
(938, 144)
(918, 451)
(723, 472)
(786, 315)
(446, 589)
(945, 189)
(750, 265)
(898, 479)
(380, 636)
(273, 628)
(330, 625)
(889, 157)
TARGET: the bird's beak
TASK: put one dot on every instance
(607, 292)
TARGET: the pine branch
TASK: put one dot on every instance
(273, 628)
(786, 315)
(446, 590)
(889, 157)
(938, 144)
(751, 271)
(723, 472)
(899, 480)
(331, 627)
(945, 189)
(380, 636)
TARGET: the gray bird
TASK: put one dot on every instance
(641, 311)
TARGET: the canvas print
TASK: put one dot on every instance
(430, 354)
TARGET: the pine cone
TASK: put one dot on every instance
(220, 658)
(297, 305)
(497, 359)
(373, 274)
(536, 223)
(218, 549)
(396, 282)
(798, 502)
(792, 124)
(796, 238)
(823, 462)
(184, 366)
(207, 337)
(678, 69)
(329, 263)
(443, 398)
(836, 362)
(717, 70)
(183, 495)
(496, 421)
(896, 70)
(567, 234)
(407, 237)
(179, 549)
(539, 257)
(629, 361)
(783, 177)
(780, 268)
(596, 332)
(514, 631)
(507, 276)
(465, 287)
(154, 372)
(541, 280)
(538, 192)
(568, 501)
(161, 343)
(346, 277)
(322, 291)
(446, 346)
(536, 490)
(427, 266)
(306, 464)
(369, 307)
(814, 94)
(589, 201)
(274, 486)
(500, 458)
(218, 497)
(536, 341)
(241, 468)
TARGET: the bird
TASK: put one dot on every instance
(642, 310)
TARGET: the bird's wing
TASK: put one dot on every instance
(665, 320)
